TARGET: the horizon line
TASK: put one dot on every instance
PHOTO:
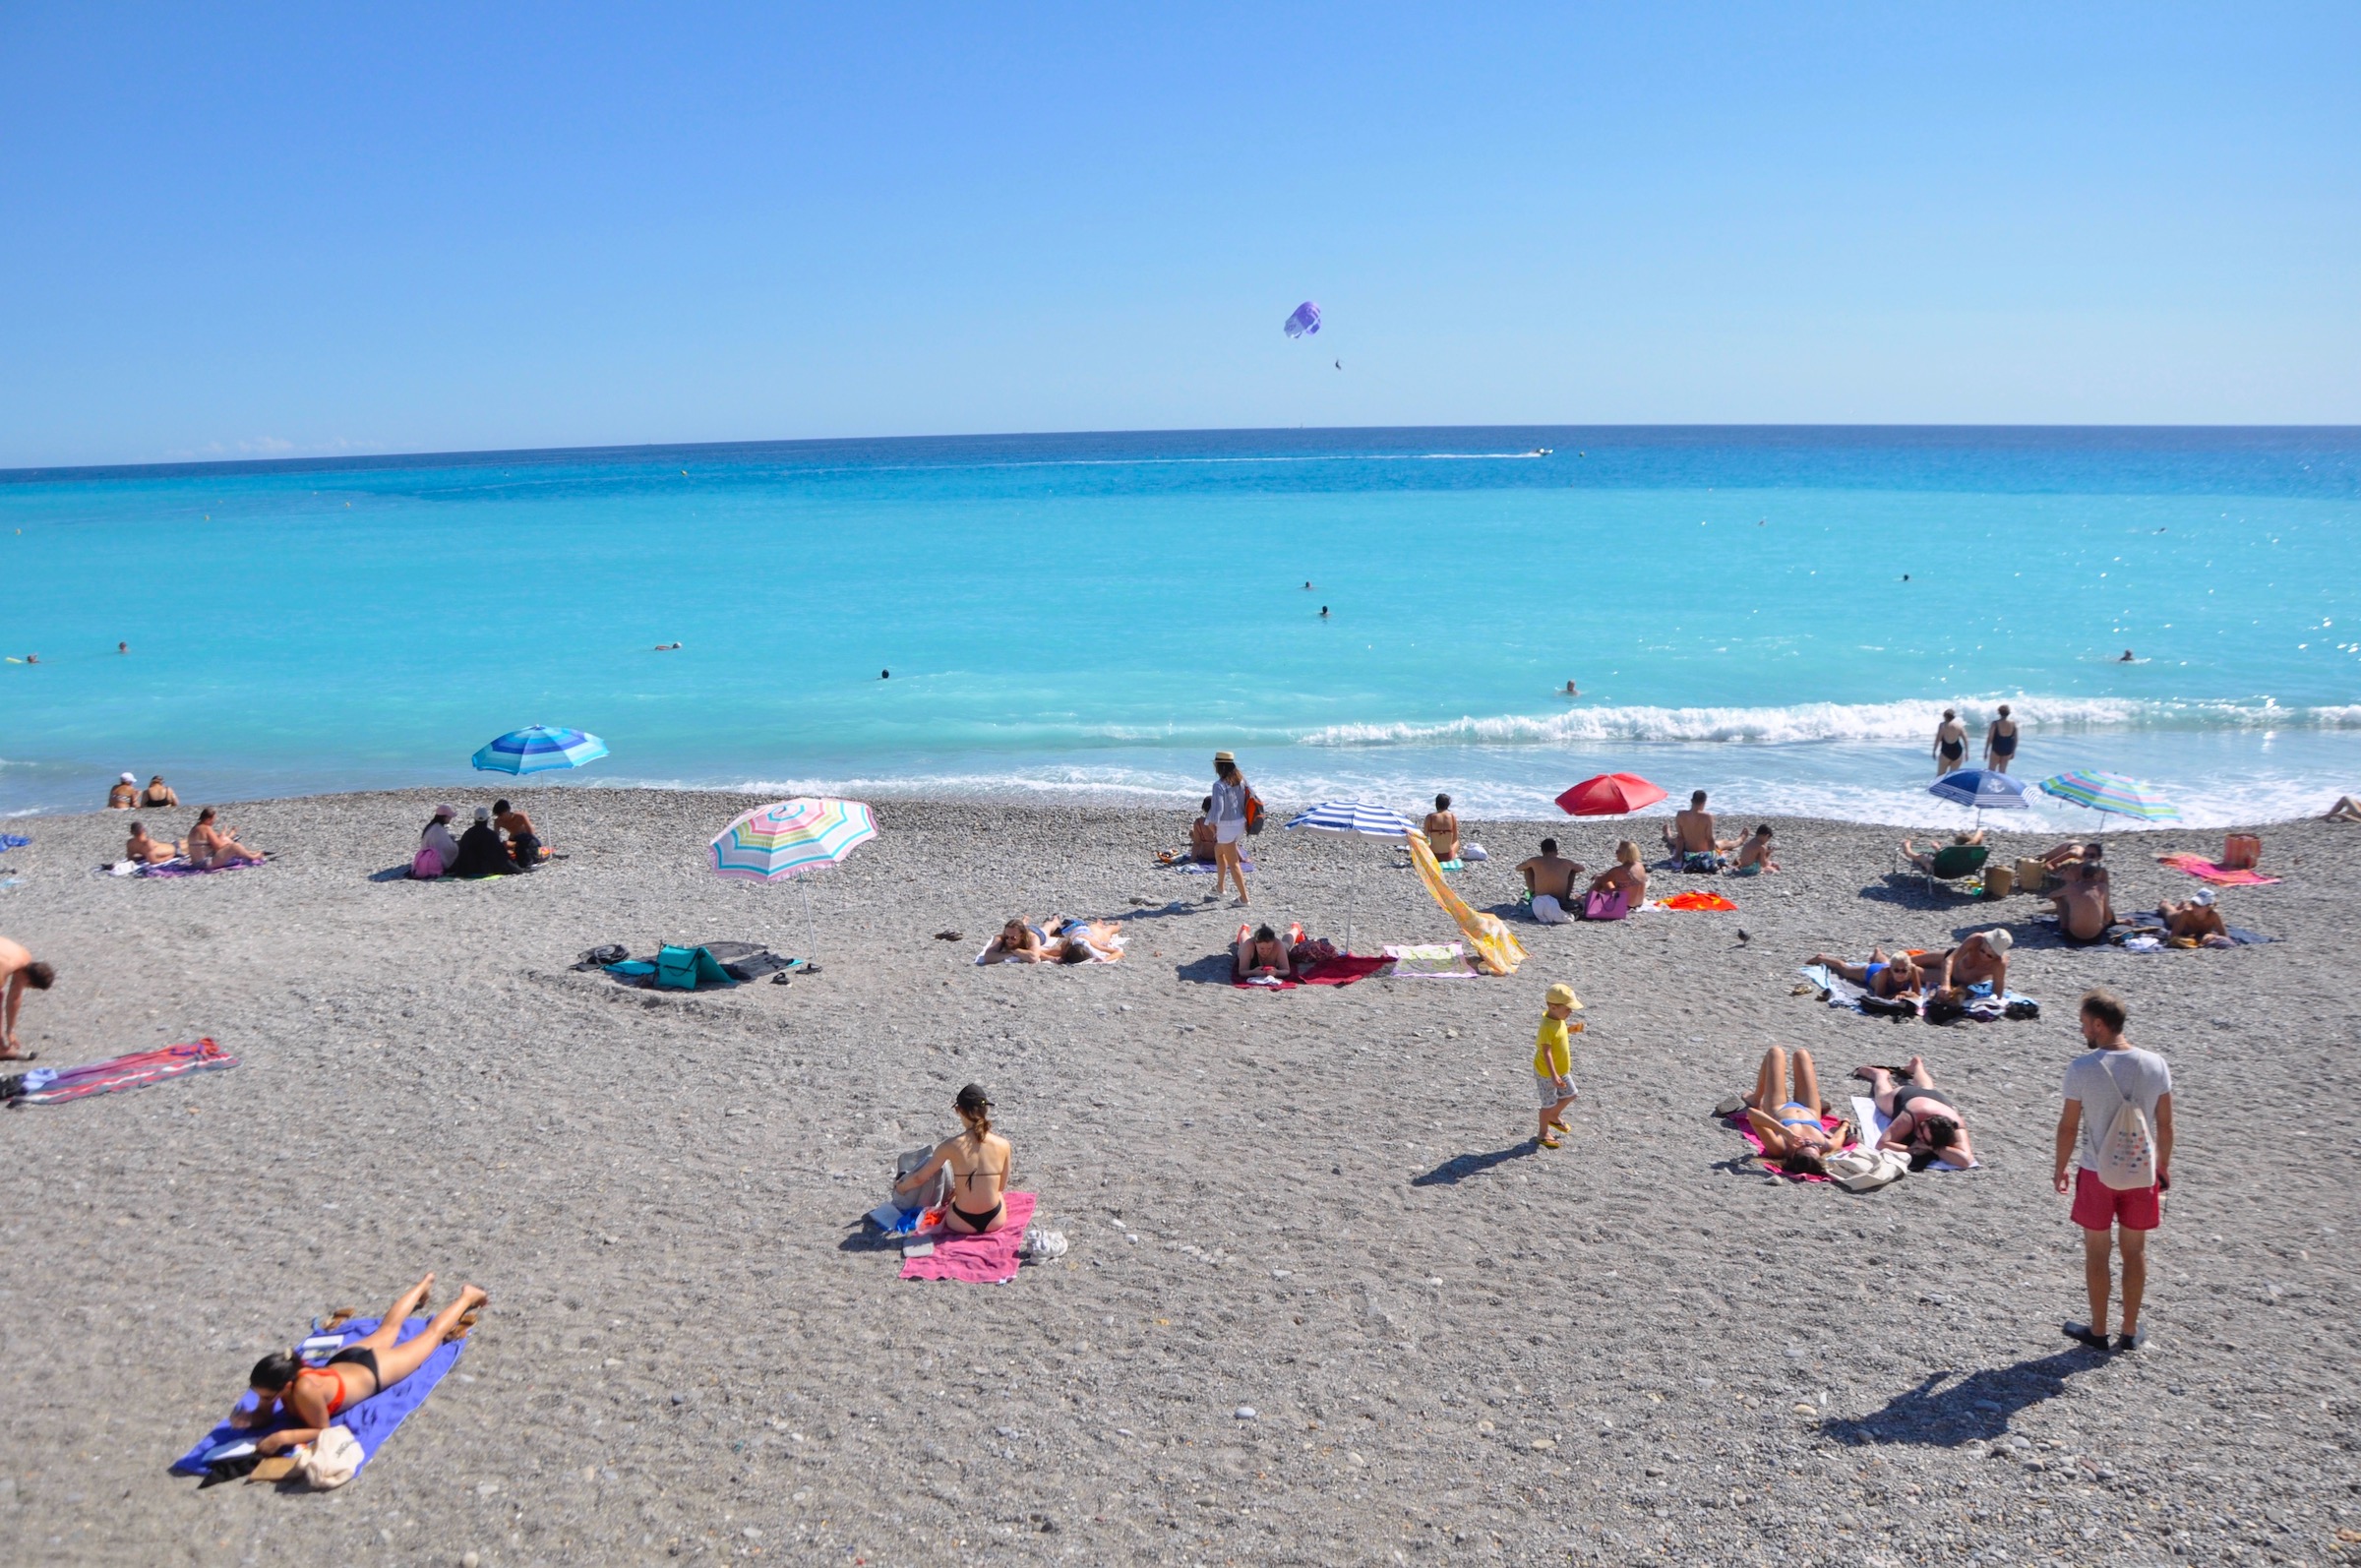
(350, 461)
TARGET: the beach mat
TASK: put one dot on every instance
(1982, 1006)
(44, 1086)
(1342, 970)
(2144, 933)
(371, 1421)
(1430, 961)
(987, 1259)
(1198, 868)
(10, 841)
(2222, 876)
(1874, 1122)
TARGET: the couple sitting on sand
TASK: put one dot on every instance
(480, 851)
(1689, 839)
(126, 795)
(1921, 1122)
(208, 847)
(1056, 940)
(1550, 885)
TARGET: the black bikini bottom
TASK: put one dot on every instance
(978, 1222)
(362, 1356)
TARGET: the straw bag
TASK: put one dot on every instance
(1999, 881)
(2032, 874)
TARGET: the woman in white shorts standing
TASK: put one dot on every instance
(1229, 814)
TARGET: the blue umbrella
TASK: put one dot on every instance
(537, 749)
(1980, 789)
(1354, 820)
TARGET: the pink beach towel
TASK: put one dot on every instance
(2199, 865)
(1755, 1142)
(987, 1259)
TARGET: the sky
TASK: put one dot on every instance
(256, 230)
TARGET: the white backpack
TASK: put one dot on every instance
(2127, 1150)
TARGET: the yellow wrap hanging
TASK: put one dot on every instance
(1497, 949)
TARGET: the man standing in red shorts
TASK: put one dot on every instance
(2099, 1084)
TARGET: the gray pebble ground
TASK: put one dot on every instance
(1325, 1303)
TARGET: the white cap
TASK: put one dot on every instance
(128, 779)
(483, 813)
(2203, 895)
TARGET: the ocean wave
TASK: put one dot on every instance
(1909, 722)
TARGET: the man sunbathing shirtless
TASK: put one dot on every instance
(149, 850)
(1982, 958)
(2195, 918)
(1691, 832)
(1885, 976)
(1549, 877)
(2084, 905)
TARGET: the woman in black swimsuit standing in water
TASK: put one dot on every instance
(980, 1162)
(1951, 743)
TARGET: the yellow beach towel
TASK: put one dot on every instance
(1495, 948)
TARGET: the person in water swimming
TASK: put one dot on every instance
(981, 1164)
(1790, 1126)
(308, 1397)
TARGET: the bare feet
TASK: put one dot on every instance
(471, 1308)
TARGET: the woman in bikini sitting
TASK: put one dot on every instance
(1885, 976)
(1922, 1123)
(210, 846)
(1790, 1124)
(981, 1163)
(308, 1398)
(1626, 875)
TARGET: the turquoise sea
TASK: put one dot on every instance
(1777, 615)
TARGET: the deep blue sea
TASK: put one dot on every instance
(1777, 615)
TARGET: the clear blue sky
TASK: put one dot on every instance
(248, 230)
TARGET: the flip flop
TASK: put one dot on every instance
(1548, 1143)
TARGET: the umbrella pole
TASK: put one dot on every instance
(811, 943)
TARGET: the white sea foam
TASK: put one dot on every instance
(1905, 722)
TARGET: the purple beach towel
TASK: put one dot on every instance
(371, 1421)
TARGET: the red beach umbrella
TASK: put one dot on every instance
(1609, 795)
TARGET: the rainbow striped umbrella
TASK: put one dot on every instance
(784, 840)
(539, 748)
(2111, 792)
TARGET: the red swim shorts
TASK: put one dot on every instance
(2101, 1207)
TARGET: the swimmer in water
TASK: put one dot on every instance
(2127, 658)
(884, 675)
(1306, 587)
(1323, 612)
(1572, 689)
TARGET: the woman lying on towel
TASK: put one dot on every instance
(981, 1164)
(1922, 1123)
(1019, 942)
(1262, 956)
(1885, 976)
(309, 1397)
(1789, 1124)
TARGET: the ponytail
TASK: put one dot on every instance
(275, 1371)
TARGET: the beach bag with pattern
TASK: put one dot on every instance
(2127, 1150)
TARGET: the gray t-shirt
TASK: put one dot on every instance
(2103, 1079)
(1229, 801)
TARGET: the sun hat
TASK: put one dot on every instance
(1562, 995)
(128, 779)
(446, 811)
(1999, 940)
(1224, 756)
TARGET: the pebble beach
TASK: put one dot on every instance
(1325, 1303)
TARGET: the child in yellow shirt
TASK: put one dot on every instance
(1553, 1063)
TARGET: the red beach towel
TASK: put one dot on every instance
(2199, 865)
(1698, 898)
(1342, 970)
(1755, 1142)
(987, 1259)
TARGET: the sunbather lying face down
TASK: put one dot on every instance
(2195, 918)
(1017, 943)
(1886, 975)
(1263, 954)
(1925, 1123)
(1789, 1124)
(981, 1164)
(1981, 959)
(1078, 941)
(308, 1397)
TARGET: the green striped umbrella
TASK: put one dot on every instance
(2111, 792)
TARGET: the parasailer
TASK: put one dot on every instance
(1306, 321)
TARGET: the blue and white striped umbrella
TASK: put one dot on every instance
(1352, 819)
(539, 748)
(1981, 789)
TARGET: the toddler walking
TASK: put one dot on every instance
(1553, 1063)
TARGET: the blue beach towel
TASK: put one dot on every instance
(371, 1421)
(13, 841)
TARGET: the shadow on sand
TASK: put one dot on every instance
(1940, 1414)
(1452, 1171)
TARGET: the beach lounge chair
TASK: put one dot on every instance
(1952, 863)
